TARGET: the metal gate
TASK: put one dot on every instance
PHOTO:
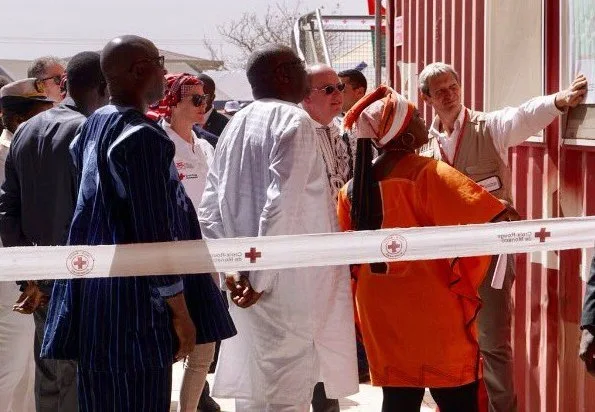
(343, 42)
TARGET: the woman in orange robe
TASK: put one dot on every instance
(417, 318)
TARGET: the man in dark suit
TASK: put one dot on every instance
(587, 346)
(210, 128)
(212, 122)
(37, 202)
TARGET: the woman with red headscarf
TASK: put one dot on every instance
(417, 318)
(182, 106)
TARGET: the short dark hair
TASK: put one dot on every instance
(260, 67)
(207, 80)
(356, 78)
(83, 73)
(40, 66)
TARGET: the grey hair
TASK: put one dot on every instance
(40, 65)
(432, 71)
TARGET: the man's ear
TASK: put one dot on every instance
(307, 98)
(425, 98)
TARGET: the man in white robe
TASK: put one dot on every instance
(295, 326)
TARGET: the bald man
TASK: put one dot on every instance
(295, 326)
(124, 332)
(323, 102)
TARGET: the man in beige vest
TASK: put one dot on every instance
(477, 145)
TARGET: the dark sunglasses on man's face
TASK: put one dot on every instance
(198, 99)
(56, 79)
(330, 89)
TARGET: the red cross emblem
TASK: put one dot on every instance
(80, 263)
(542, 234)
(393, 247)
(181, 176)
(252, 255)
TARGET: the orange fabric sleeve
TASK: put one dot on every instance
(451, 198)
(344, 216)
(344, 210)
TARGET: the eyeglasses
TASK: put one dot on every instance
(56, 79)
(330, 89)
(198, 99)
(159, 60)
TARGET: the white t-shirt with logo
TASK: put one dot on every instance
(192, 162)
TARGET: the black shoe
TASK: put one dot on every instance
(208, 404)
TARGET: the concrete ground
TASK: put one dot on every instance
(369, 398)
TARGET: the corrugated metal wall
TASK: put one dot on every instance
(550, 180)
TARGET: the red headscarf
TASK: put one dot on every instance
(175, 89)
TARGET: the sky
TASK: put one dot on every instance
(30, 29)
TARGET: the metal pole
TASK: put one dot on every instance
(378, 41)
(327, 55)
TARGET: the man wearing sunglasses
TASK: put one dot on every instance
(49, 71)
(323, 102)
(211, 123)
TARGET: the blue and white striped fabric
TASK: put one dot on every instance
(129, 193)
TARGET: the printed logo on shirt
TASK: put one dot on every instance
(183, 176)
(80, 262)
(394, 246)
(184, 165)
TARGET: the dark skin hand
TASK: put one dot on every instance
(30, 300)
(240, 290)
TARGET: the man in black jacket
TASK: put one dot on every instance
(587, 346)
(37, 203)
(212, 122)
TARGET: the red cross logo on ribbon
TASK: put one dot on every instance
(542, 234)
(252, 255)
(393, 247)
(181, 176)
(80, 263)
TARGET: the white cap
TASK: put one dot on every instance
(231, 106)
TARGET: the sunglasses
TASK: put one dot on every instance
(56, 79)
(330, 89)
(198, 99)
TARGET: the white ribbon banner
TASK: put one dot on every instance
(278, 252)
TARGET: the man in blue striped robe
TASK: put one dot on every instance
(125, 332)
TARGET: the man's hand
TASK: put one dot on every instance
(572, 96)
(240, 290)
(183, 326)
(30, 300)
(587, 350)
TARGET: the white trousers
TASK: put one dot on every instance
(245, 405)
(196, 368)
(17, 365)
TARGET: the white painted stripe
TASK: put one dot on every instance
(277, 252)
